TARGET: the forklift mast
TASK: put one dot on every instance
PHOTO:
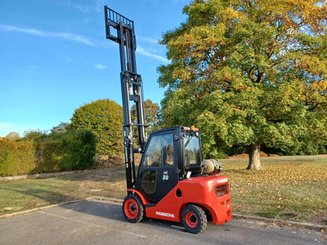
(121, 30)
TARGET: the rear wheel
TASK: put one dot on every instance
(194, 219)
(133, 208)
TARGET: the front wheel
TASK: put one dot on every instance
(133, 208)
(194, 219)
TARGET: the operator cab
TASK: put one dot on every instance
(170, 155)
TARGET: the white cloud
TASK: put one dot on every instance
(72, 37)
(144, 52)
(148, 40)
(35, 69)
(61, 35)
(96, 5)
(79, 7)
(100, 66)
(8, 28)
(99, 5)
(68, 59)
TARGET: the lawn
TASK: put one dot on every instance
(290, 188)
(20, 195)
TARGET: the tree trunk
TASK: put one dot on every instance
(254, 158)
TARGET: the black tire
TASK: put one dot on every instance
(194, 219)
(133, 208)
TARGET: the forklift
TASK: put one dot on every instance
(172, 183)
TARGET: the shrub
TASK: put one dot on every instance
(71, 150)
(16, 157)
(104, 118)
(79, 147)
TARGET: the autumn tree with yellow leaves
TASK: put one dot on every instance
(249, 73)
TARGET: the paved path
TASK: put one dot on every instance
(94, 222)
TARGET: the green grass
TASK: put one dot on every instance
(290, 188)
(31, 193)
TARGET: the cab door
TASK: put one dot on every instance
(158, 171)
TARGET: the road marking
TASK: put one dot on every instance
(92, 224)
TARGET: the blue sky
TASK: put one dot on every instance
(54, 56)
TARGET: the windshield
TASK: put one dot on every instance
(160, 151)
(192, 155)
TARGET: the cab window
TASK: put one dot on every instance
(160, 151)
(191, 151)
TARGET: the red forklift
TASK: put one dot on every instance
(172, 183)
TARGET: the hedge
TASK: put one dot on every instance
(72, 150)
(16, 157)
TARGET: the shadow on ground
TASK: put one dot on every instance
(113, 211)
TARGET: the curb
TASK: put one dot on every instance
(279, 222)
(38, 209)
(96, 198)
(43, 175)
(105, 199)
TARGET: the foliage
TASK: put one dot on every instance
(249, 73)
(150, 116)
(35, 134)
(16, 157)
(151, 113)
(72, 150)
(12, 136)
(61, 128)
(104, 118)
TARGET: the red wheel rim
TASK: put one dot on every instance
(191, 219)
(131, 209)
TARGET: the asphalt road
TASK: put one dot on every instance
(94, 222)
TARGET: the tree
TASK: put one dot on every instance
(150, 114)
(35, 135)
(61, 128)
(104, 118)
(12, 136)
(249, 73)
